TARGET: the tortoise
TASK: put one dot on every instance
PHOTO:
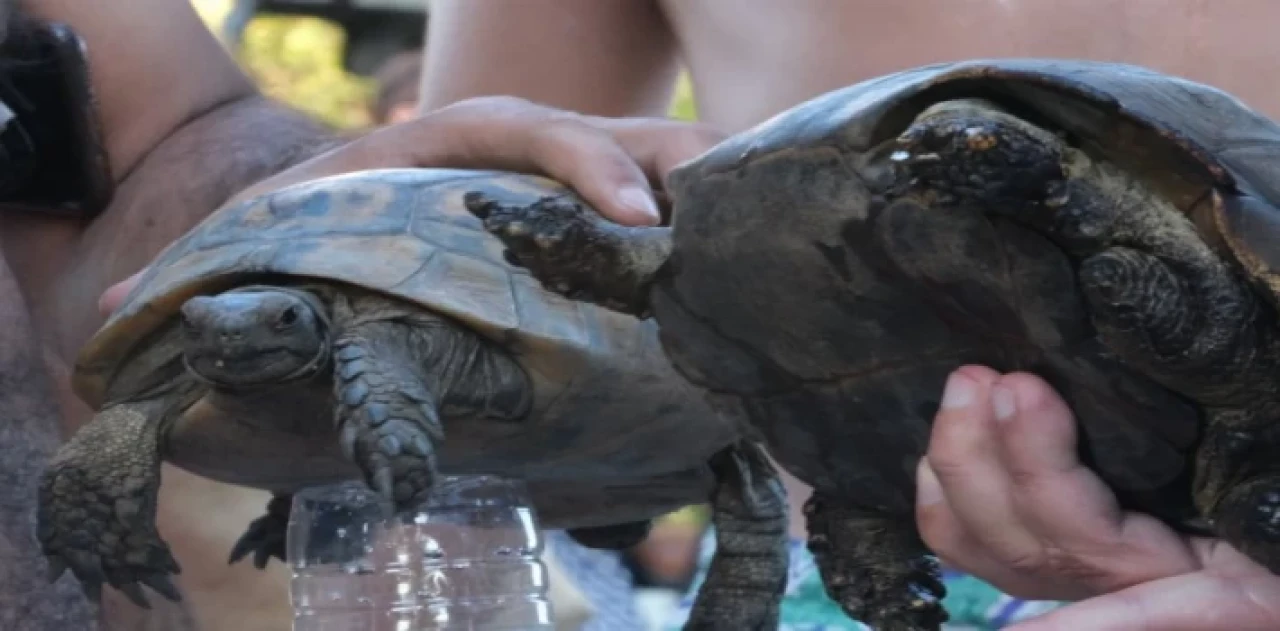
(365, 326)
(1106, 226)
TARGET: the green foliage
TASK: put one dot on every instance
(299, 61)
(683, 106)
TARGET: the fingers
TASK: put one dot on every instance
(1193, 602)
(1004, 496)
(964, 454)
(114, 296)
(965, 504)
(611, 163)
(612, 171)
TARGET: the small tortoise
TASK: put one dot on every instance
(366, 326)
(1105, 226)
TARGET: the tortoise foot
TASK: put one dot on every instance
(892, 597)
(387, 421)
(615, 537)
(575, 252)
(97, 508)
(875, 567)
(266, 536)
(1248, 517)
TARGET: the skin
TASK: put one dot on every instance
(750, 59)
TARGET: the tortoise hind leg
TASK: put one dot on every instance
(748, 575)
(97, 506)
(875, 567)
(1200, 332)
(266, 536)
(577, 253)
(396, 372)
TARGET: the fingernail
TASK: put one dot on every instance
(959, 391)
(1003, 402)
(638, 199)
(928, 489)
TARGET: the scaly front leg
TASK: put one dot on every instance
(97, 513)
(395, 373)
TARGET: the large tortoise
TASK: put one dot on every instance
(1108, 227)
(366, 326)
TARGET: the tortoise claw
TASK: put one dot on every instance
(134, 592)
(266, 536)
(163, 585)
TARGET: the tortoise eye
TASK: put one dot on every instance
(289, 317)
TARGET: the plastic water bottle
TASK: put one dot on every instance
(468, 559)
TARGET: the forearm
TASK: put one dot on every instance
(28, 438)
(604, 57)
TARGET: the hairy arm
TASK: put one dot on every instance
(603, 57)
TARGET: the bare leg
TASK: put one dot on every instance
(875, 567)
(748, 575)
(577, 253)
(266, 536)
(98, 505)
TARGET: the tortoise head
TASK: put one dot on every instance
(255, 336)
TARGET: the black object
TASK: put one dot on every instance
(52, 159)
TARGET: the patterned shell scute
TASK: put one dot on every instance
(404, 232)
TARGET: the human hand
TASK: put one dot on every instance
(613, 163)
(1002, 495)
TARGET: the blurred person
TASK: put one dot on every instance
(750, 59)
(180, 131)
(398, 81)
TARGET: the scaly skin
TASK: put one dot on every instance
(744, 586)
(875, 567)
(98, 505)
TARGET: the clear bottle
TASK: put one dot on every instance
(468, 559)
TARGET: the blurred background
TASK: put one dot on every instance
(355, 64)
(323, 56)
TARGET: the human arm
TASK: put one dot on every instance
(612, 163)
(1003, 495)
(603, 57)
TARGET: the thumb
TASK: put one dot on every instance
(114, 296)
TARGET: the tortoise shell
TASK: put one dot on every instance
(845, 391)
(612, 424)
